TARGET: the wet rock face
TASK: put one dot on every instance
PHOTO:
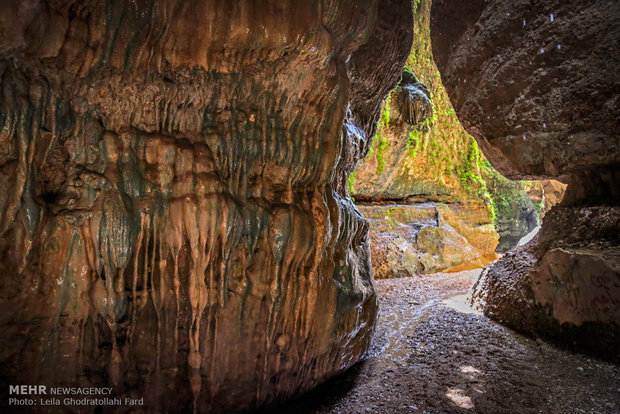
(536, 85)
(174, 216)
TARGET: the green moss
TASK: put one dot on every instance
(408, 75)
(508, 197)
(439, 150)
(413, 142)
(471, 176)
(380, 139)
(415, 4)
(351, 182)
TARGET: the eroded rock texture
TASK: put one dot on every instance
(546, 194)
(408, 240)
(174, 220)
(385, 176)
(537, 85)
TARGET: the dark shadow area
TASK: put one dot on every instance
(320, 398)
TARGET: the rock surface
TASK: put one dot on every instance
(420, 152)
(175, 222)
(537, 86)
(408, 240)
(545, 194)
(383, 175)
(433, 354)
(565, 284)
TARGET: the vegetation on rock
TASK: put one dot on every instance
(440, 154)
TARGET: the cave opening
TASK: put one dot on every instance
(177, 225)
(439, 214)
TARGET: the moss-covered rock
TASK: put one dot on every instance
(422, 153)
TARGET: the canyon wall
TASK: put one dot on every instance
(409, 240)
(421, 154)
(174, 216)
(537, 86)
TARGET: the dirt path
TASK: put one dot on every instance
(433, 354)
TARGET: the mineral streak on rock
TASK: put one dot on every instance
(174, 214)
(541, 97)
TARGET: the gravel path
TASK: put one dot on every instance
(433, 354)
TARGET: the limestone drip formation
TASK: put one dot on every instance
(537, 85)
(174, 216)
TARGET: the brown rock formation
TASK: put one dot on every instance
(409, 240)
(384, 176)
(545, 193)
(174, 221)
(537, 85)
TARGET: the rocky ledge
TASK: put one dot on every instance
(537, 86)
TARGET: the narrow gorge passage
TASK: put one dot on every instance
(215, 206)
(433, 354)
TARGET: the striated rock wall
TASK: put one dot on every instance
(175, 222)
(383, 174)
(537, 86)
(408, 240)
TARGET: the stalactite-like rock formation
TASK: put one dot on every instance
(537, 85)
(380, 175)
(174, 219)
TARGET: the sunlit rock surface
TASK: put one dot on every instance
(174, 219)
(383, 174)
(408, 240)
(536, 85)
(546, 194)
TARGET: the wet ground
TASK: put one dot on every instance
(433, 354)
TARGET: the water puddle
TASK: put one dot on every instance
(395, 325)
(461, 303)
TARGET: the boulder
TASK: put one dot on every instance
(536, 85)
